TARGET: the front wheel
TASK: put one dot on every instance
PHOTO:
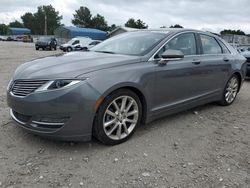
(69, 49)
(230, 91)
(118, 117)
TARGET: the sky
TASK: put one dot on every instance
(209, 15)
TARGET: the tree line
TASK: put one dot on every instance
(81, 18)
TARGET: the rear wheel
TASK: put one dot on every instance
(230, 91)
(37, 48)
(118, 117)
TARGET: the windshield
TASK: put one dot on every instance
(131, 43)
(71, 41)
(44, 39)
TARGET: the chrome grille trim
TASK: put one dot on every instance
(22, 88)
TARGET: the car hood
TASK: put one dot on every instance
(71, 65)
(65, 45)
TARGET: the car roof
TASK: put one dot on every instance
(168, 31)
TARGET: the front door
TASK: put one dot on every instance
(181, 81)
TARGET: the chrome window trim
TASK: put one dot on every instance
(197, 55)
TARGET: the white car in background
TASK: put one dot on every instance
(78, 43)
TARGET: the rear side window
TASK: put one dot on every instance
(224, 48)
(210, 45)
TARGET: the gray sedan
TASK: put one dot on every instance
(125, 81)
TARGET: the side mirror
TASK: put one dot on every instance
(172, 54)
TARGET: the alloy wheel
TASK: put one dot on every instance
(120, 117)
(231, 90)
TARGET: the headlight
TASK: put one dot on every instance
(58, 84)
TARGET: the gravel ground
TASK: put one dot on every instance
(205, 147)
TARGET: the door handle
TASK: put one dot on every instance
(196, 62)
(225, 59)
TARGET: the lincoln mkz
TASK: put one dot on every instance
(123, 82)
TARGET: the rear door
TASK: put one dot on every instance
(216, 60)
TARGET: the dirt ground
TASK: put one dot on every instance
(205, 147)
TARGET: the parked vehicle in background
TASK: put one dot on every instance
(9, 38)
(237, 47)
(127, 80)
(93, 43)
(76, 44)
(246, 54)
(27, 38)
(46, 42)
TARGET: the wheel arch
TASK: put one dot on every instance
(238, 74)
(134, 89)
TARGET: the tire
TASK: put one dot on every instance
(69, 49)
(124, 119)
(230, 91)
(37, 48)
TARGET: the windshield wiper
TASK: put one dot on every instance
(107, 52)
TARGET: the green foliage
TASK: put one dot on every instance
(3, 29)
(16, 24)
(99, 22)
(112, 27)
(29, 21)
(229, 31)
(138, 24)
(83, 18)
(176, 26)
(36, 22)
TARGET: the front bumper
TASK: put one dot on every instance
(62, 48)
(64, 114)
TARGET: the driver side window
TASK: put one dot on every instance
(184, 42)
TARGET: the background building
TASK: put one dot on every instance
(64, 33)
(120, 30)
(18, 31)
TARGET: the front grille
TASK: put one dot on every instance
(23, 88)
